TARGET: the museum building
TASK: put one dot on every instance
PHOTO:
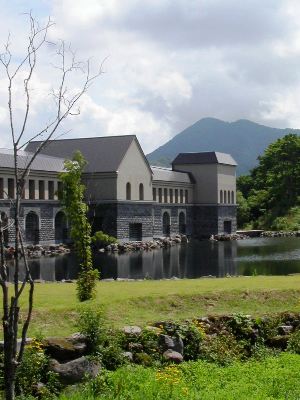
(127, 197)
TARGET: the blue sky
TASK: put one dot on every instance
(168, 64)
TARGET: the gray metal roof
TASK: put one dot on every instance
(41, 162)
(206, 157)
(166, 174)
(103, 154)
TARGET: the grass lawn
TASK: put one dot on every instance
(271, 378)
(144, 302)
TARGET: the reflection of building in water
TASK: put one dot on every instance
(183, 261)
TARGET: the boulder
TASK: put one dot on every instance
(167, 342)
(173, 356)
(278, 342)
(76, 370)
(128, 355)
(64, 349)
(132, 330)
(285, 329)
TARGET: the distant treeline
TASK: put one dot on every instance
(269, 197)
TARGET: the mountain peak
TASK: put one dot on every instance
(245, 140)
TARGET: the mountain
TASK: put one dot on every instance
(243, 139)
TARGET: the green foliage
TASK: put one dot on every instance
(222, 349)
(274, 378)
(103, 343)
(92, 323)
(86, 284)
(243, 210)
(101, 239)
(294, 343)
(291, 222)
(272, 189)
(33, 371)
(72, 199)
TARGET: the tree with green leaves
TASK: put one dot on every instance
(273, 187)
(72, 200)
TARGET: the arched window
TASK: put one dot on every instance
(225, 196)
(128, 191)
(182, 224)
(60, 225)
(232, 197)
(166, 223)
(221, 196)
(32, 227)
(141, 191)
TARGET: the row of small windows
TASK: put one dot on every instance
(32, 186)
(170, 195)
(226, 197)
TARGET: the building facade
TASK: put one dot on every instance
(127, 197)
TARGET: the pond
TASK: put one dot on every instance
(257, 256)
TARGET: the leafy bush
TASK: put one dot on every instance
(222, 349)
(33, 371)
(101, 239)
(86, 284)
(294, 343)
(92, 323)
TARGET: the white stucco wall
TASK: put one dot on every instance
(205, 176)
(134, 169)
(227, 180)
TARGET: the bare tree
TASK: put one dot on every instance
(66, 104)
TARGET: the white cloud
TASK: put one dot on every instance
(169, 63)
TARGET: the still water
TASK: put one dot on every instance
(266, 256)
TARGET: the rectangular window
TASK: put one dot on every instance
(186, 196)
(41, 190)
(171, 195)
(165, 195)
(59, 189)
(31, 189)
(11, 188)
(181, 196)
(154, 194)
(160, 195)
(176, 195)
(1, 188)
(50, 190)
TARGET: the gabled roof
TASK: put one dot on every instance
(103, 154)
(40, 163)
(167, 175)
(206, 157)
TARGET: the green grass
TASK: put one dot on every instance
(272, 378)
(144, 302)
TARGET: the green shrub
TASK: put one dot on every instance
(86, 284)
(101, 239)
(222, 349)
(32, 371)
(294, 343)
(92, 323)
